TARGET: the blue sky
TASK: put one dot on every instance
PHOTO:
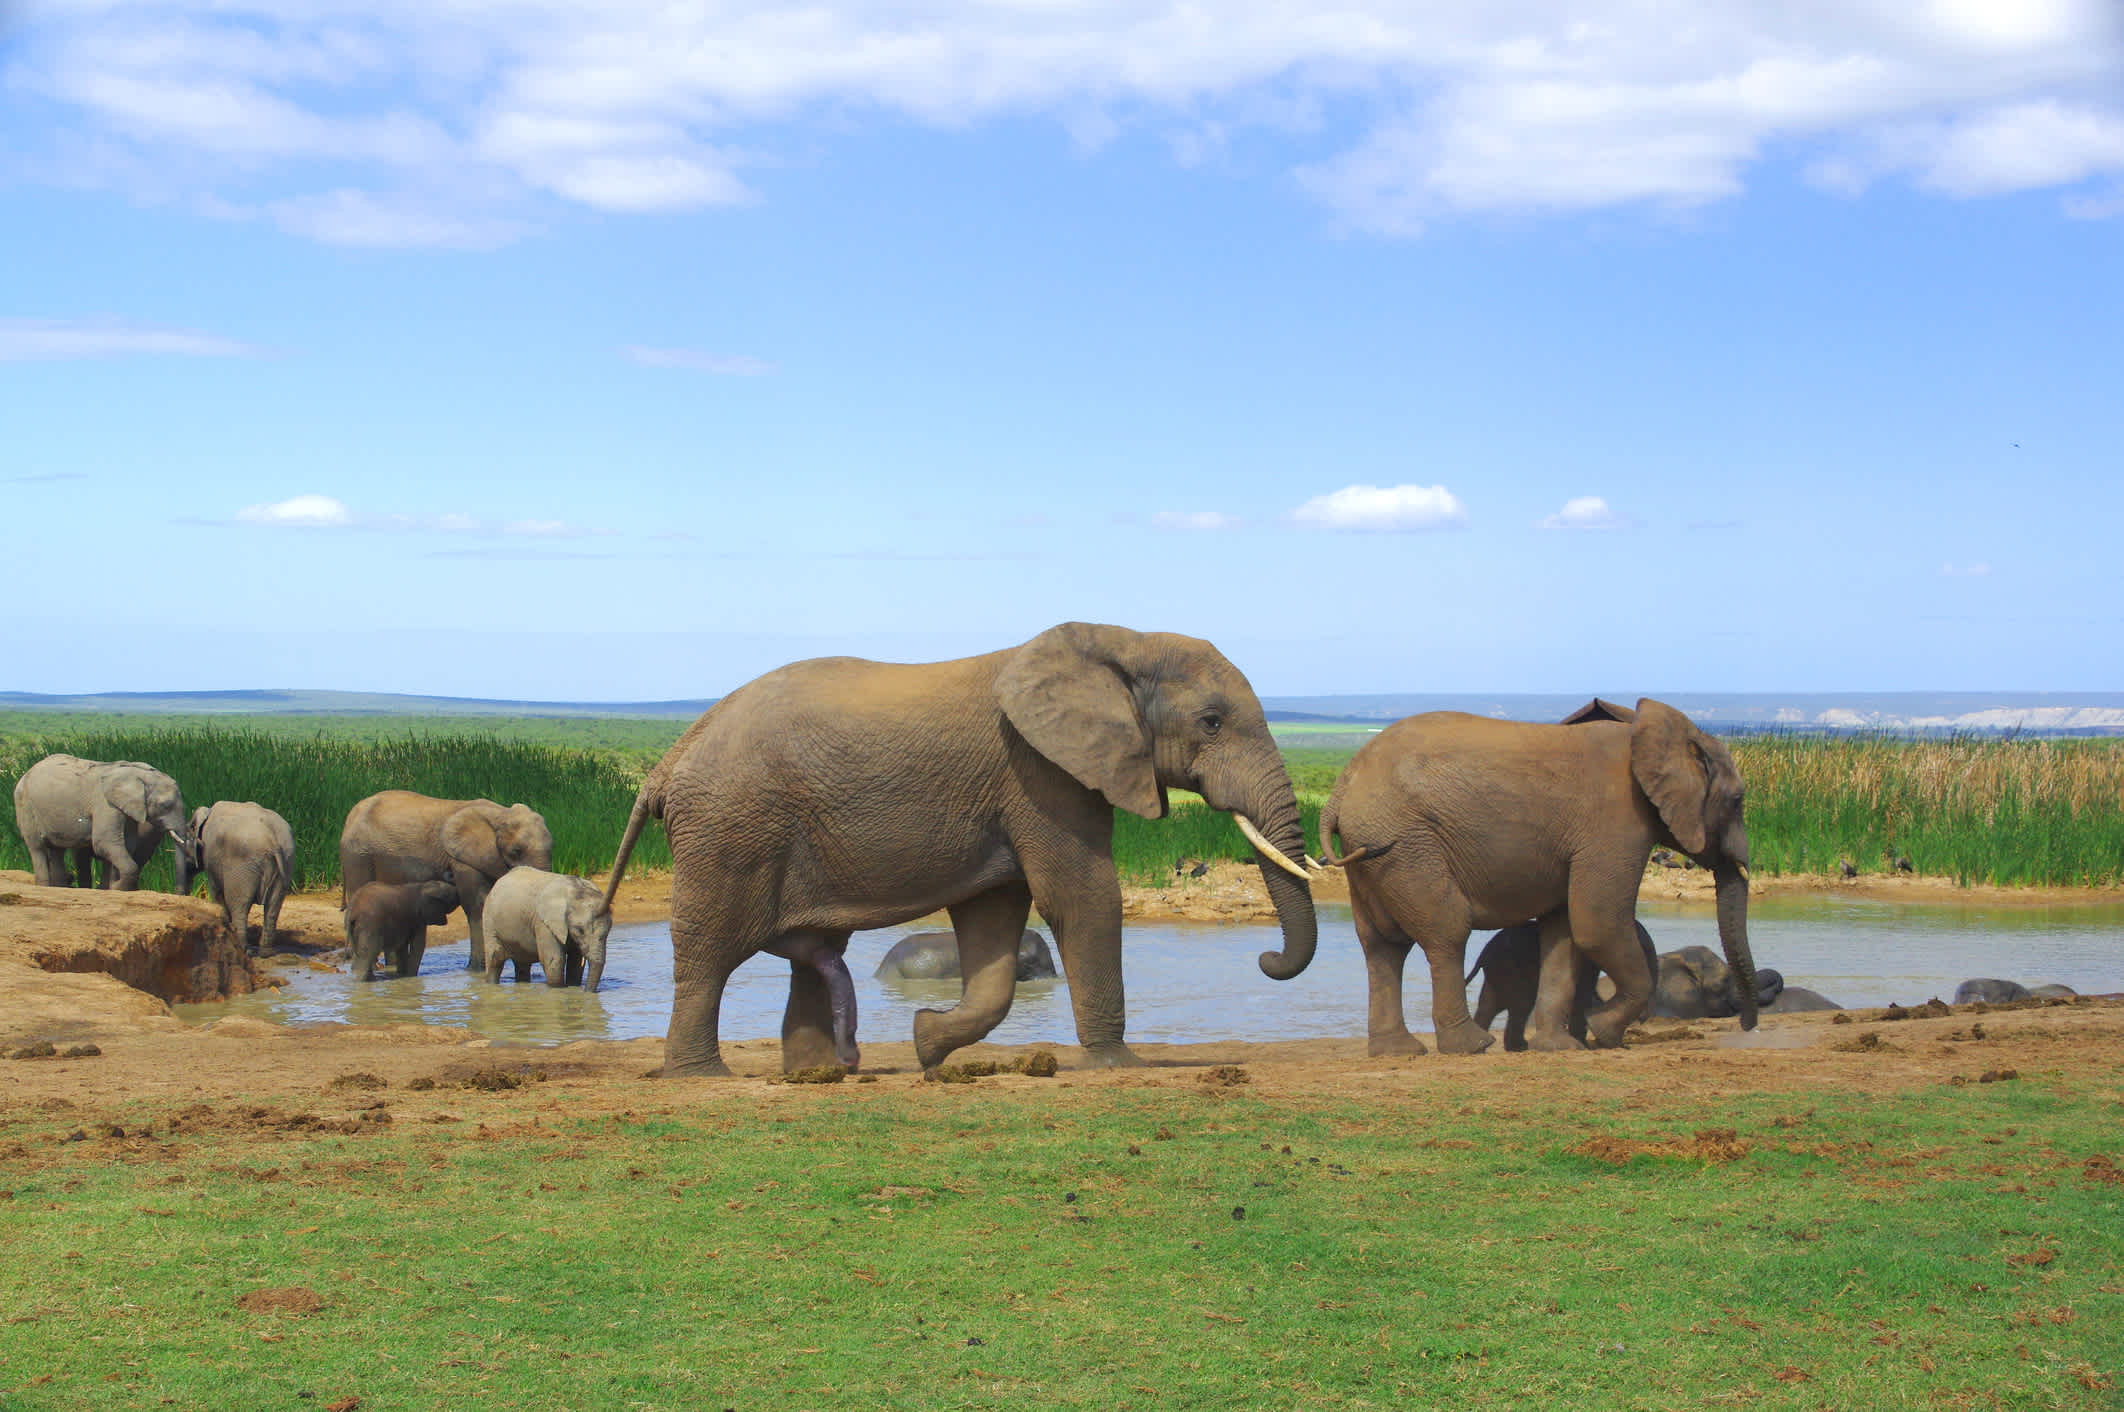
(624, 354)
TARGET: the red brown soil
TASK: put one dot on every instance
(327, 1075)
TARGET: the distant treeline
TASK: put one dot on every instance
(2046, 811)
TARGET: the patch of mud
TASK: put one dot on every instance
(293, 1299)
(1704, 1145)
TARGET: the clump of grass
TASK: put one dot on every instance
(2008, 811)
(312, 783)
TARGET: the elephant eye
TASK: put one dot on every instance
(1212, 723)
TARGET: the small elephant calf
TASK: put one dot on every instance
(1510, 967)
(555, 919)
(392, 919)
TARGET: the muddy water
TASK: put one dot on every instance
(1192, 983)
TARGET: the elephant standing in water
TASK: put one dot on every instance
(248, 852)
(402, 837)
(554, 920)
(1458, 821)
(1510, 967)
(113, 815)
(839, 795)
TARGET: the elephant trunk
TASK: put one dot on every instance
(1273, 811)
(1733, 936)
(593, 964)
(184, 863)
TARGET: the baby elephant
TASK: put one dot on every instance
(1510, 967)
(249, 856)
(392, 919)
(557, 920)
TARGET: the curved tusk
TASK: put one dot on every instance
(1268, 850)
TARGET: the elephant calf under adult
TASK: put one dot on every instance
(1458, 821)
(557, 920)
(1695, 983)
(392, 919)
(1510, 967)
(248, 852)
(402, 837)
(112, 815)
(934, 956)
(840, 795)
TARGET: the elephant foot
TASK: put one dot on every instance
(1112, 1056)
(1552, 1042)
(812, 1050)
(1394, 1046)
(695, 1069)
(1464, 1038)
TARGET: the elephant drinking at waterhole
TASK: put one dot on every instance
(840, 795)
(248, 852)
(402, 837)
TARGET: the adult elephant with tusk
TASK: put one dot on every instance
(1460, 821)
(839, 795)
(111, 815)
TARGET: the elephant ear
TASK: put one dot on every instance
(552, 911)
(1669, 767)
(126, 789)
(199, 822)
(1599, 710)
(468, 837)
(1070, 694)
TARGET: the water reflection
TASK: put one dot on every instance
(1190, 983)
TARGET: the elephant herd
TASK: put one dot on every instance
(837, 795)
(406, 862)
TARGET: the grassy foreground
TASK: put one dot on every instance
(1022, 1245)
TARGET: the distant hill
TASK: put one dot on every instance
(2045, 713)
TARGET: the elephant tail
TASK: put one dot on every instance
(1329, 819)
(648, 804)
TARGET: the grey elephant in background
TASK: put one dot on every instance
(934, 956)
(1510, 967)
(248, 853)
(557, 920)
(841, 795)
(114, 814)
(1695, 983)
(1458, 821)
(392, 919)
(1794, 999)
(402, 837)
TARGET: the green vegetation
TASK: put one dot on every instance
(2009, 811)
(1977, 809)
(312, 782)
(1590, 1244)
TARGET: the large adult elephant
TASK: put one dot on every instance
(402, 837)
(110, 814)
(839, 795)
(1458, 821)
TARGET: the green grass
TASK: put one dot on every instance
(933, 1247)
(313, 781)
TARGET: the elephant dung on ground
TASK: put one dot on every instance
(1510, 967)
(1695, 983)
(555, 919)
(839, 795)
(111, 815)
(934, 956)
(392, 919)
(1457, 821)
(402, 837)
(248, 854)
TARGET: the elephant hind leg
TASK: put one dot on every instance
(1386, 955)
(819, 1022)
(988, 928)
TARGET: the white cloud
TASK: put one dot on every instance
(1977, 570)
(1584, 512)
(1194, 520)
(301, 512)
(1391, 507)
(1419, 112)
(693, 360)
(348, 217)
(51, 340)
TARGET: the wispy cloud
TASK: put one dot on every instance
(46, 477)
(1197, 520)
(1388, 507)
(324, 512)
(693, 360)
(57, 340)
(1439, 110)
(1977, 570)
(1585, 512)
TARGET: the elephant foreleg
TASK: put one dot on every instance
(988, 928)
